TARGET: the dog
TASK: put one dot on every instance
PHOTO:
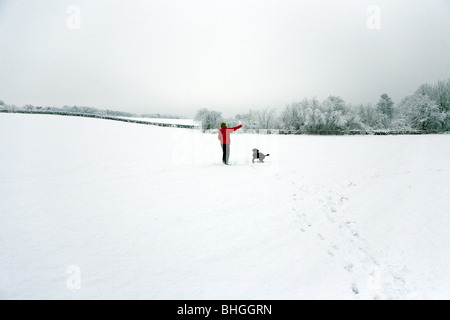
(259, 155)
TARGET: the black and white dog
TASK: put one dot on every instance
(259, 155)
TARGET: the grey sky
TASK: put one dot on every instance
(178, 56)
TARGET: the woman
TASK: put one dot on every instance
(224, 137)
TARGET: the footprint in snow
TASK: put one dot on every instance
(355, 288)
(349, 267)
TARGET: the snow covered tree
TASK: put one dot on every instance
(249, 119)
(334, 114)
(259, 119)
(331, 116)
(386, 106)
(314, 118)
(440, 94)
(370, 116)
(354, 120)
(423, 113)
(265, 118)
(210, 119)
(293, 116)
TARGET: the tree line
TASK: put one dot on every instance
(426, 110)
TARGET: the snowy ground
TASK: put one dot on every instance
(99, 209)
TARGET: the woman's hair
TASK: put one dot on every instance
(223, 125)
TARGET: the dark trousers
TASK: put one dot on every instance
(226, 153)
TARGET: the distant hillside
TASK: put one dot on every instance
(81, 110)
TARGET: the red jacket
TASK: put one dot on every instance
(224, 134)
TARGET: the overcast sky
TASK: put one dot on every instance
(175, 57)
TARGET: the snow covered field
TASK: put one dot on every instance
(189, 122)
(98, 209)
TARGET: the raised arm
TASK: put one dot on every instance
(235, 128)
